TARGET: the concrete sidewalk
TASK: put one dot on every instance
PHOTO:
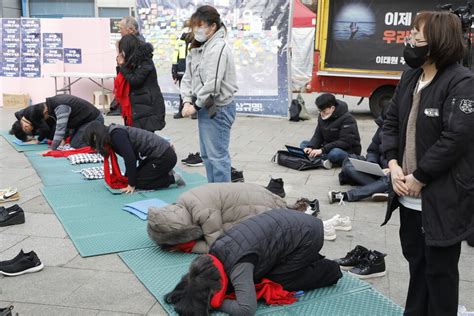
(71, 285)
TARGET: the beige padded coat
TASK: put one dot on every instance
(205, 212)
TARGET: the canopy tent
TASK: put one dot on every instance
(302, 45)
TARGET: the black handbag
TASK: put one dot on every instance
(286, 159)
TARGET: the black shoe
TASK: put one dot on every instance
(178, 115)
(21, 264)
(185, 160)
(352, 258)
(307, 206)
(11, 216)
(236, 175)
(370, 266)
(195, 161)
(7, 311)
(276, 187)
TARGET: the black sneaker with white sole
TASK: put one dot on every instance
(276, 187)
(185, 160)
(352, 258)
(12, 215)
(236, 175)
(195, 161)
(371, 266)
(21, 264)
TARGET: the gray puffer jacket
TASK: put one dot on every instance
(205, 212)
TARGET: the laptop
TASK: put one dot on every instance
(298, 152)
(367, 167)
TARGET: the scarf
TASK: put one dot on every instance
(272, 292)
(122, 92)
(67, 153)
(115, 179)
(185, 246)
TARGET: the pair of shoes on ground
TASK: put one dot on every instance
(337, 222)
(307, 206)
(193, 160)
(12, 215)
(21, 264)
(339, 196)
(236, 175)
(363, 263)
(276, 187)
(9, 195)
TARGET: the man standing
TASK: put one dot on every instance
(129, 25)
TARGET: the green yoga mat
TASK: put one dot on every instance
(160, 271)
(94, 219)
(9, 138)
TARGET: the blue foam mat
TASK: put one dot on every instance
(160, 271)
(21, 148)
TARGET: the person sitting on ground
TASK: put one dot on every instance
(24, 130)
(69, 113)
(368, 185)
(149, 159)
(279, 246)
(136, 85)
(336, 135)
(202, 214)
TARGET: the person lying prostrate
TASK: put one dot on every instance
(24, 130)
(154, 155)
(278, 249)
(201, 214)
(69, 113)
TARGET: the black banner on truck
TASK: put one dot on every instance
(370, 35)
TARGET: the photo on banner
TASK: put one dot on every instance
(258, 34)
(376, 30)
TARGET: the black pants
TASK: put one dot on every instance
(320, 273)
(434, 276)
(156, 173)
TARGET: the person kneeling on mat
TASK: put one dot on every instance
(155, 156)
(24, 130)
(201, 214)
(279, 249)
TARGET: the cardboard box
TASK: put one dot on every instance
(16, 100)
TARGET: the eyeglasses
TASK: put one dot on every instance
(413, 42)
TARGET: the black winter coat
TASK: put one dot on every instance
(43, 129)
(82, 111)
(375, 151)
(148, 106)
(272, 237)
(444, 150)
(338, 131)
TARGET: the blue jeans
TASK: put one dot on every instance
(336, 155)
(368, 184)
(214, 139)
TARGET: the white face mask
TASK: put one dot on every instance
(200, 34)
(326, 117)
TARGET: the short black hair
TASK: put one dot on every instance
(191, 297)
(18, 131)
(325, 100)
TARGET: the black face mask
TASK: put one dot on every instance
(416, 56)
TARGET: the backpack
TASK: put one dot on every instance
(295, 109)
(286, 159)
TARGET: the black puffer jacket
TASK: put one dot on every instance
(444, 150)
(148, 106)
(375, 152)
(338, 131)
(271, 237)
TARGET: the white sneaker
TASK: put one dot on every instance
(334, 196)
(339, 223)
(329, 232)
(327, 164)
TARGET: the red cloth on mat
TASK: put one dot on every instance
(272, 292)
(122, 92)
(67, 153)
(115, 179)
(185, 246)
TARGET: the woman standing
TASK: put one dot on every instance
(149, 159)
(428, 140)
(136, 85)
(208, 87)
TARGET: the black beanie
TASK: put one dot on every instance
(325, 100)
